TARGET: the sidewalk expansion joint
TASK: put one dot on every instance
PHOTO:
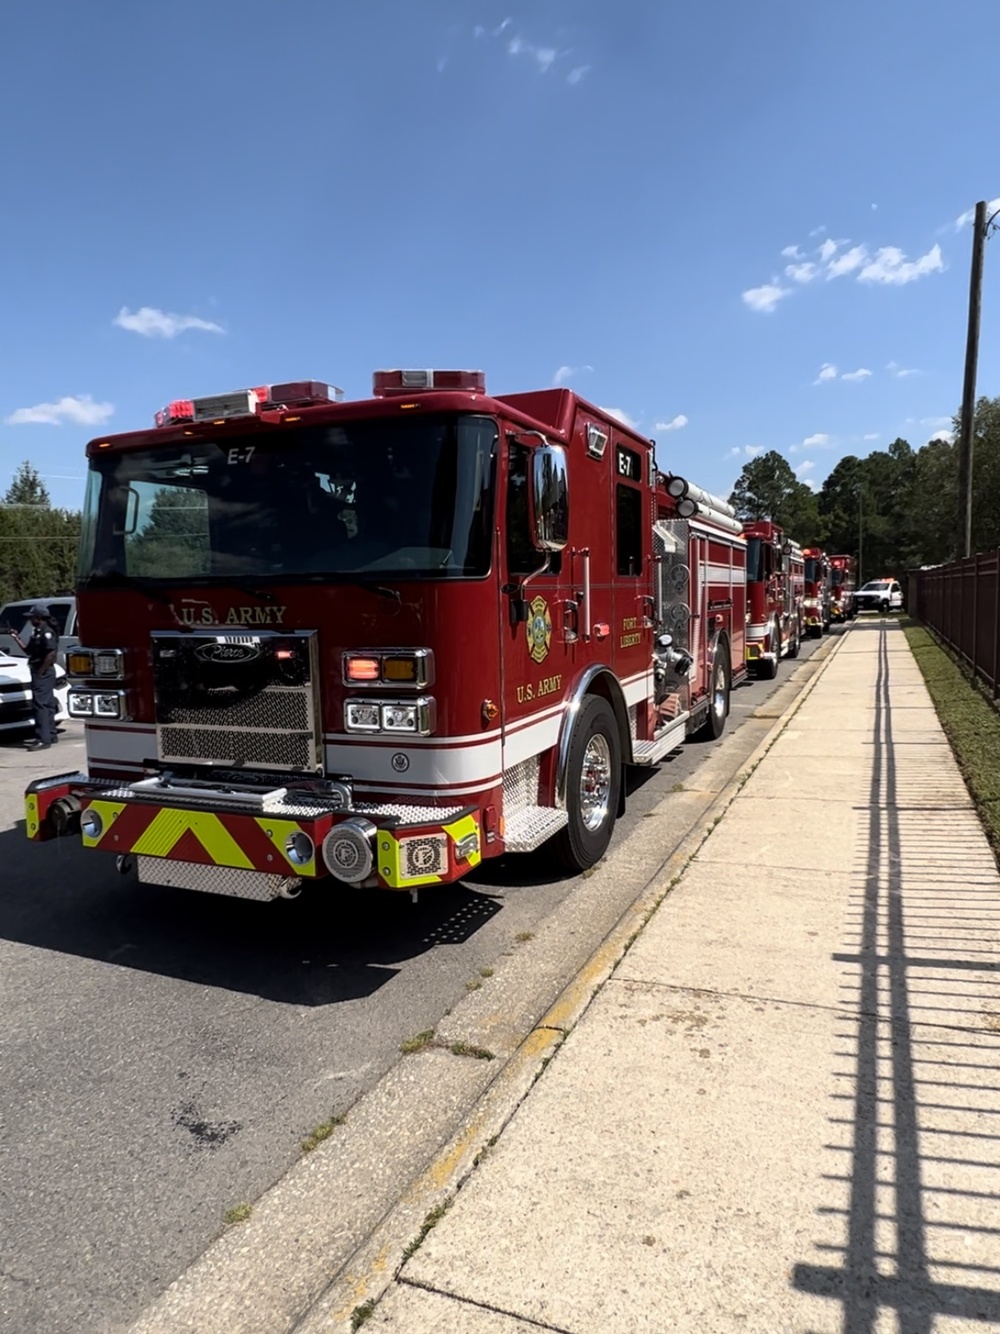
(844, 1009)
(485, 1306)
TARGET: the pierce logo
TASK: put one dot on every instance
(231, 653)
(539, 629)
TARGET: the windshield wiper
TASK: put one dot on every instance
(382, 589)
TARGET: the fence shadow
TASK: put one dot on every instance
(913, 1179)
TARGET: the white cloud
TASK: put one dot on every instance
(891, 267)
(806, 465)
(751, 451)
(862, 373)
(968, 216)
(847, 262)
(575, 75)
(765, 298)
(826, 372)
(565, 373)
(828, 249)
(542, 55)
(153, 323)
(802, 273)
(811, 483)
(949, 436)
(817, 231)
(820, 440)
(901, 372)
(620, 415)
(792, 252)
(675, 423)
(80, 409)
(872, 435)
(935, 421)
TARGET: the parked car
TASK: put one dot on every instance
(15, 616)
(879, 595)
(16, 714)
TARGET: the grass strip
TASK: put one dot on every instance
(970, 722)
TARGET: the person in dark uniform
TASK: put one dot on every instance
(41, 649)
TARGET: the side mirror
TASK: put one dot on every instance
(548, 498)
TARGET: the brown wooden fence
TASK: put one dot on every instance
(961, 602)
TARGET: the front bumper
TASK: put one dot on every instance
(278, 839)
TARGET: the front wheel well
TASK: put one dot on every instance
(602, 682)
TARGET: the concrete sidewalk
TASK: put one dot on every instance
(782, 1113)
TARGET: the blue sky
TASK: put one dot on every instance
(200, 197)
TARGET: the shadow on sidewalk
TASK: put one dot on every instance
(915, 1162)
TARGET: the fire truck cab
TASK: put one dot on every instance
(775, 588)
(375, 642)
(817, 600)
(843, 576)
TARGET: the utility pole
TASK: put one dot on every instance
(963, 532)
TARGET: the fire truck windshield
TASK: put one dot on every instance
(755, 560)
(401, 498)
(814, 570)
(837, 576)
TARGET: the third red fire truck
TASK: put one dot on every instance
(843, 579)
(817, 601)
(375, 642)
(775, 586)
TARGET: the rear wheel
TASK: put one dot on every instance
(718, 700)
(795, 642)
(593, 784)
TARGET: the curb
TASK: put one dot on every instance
(374, 1266)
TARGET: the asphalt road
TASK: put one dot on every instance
(163, 1054)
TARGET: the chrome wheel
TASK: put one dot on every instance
(595, 782)
(719, 691)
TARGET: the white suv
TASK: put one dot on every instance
(879, 595)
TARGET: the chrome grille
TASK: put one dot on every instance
(241, 700)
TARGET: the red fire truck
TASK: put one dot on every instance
(843, 579)
(775, 588)
(375, 642)
(817, 600)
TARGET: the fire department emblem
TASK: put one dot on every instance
(539, 629)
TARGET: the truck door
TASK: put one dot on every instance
(538, 653)
(631, 649)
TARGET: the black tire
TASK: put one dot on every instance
(795, 643)
(883, 607)
(577, 847)
(718, 699)
(816, 632)
(769, 670)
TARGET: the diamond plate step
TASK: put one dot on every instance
(648, 752)
(529, 828)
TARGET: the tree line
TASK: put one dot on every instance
(898, 503)
(38, 542)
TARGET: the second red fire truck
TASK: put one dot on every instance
(775, 586)
(379, 641)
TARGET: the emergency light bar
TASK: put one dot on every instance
(386, 383)
(248, 402)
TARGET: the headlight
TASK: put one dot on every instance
(96, 704)
(400, 718)
(361, 716)
(416, 717)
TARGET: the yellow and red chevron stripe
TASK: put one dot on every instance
(249, 842)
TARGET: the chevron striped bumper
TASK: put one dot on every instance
(411, 847)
